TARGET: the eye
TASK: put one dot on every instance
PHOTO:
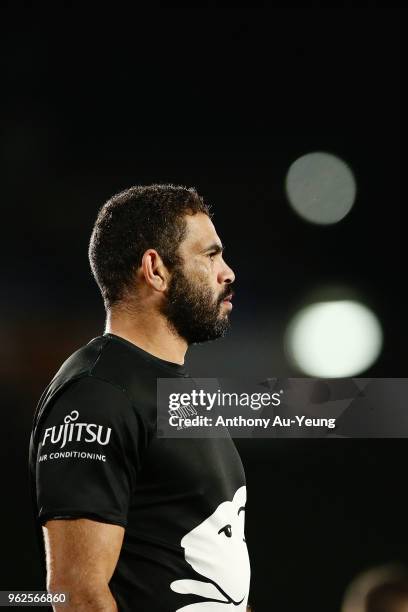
(227, 530)
(212, 255)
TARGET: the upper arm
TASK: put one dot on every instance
(88, 454)
(81, 552)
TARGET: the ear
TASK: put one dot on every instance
(154, 271)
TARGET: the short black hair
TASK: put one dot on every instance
(132, 221)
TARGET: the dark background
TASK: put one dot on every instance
(224, 99)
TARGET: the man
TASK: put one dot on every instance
(379, 589)
(133, 522)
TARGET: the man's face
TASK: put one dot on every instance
(198, 298)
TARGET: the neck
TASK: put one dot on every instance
(149, 331)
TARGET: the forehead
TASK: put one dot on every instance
(200, 233)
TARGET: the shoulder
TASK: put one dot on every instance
(94, 391)
(110, 360)
(89, 399)
(102, 380)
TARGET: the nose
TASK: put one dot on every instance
(227, 275)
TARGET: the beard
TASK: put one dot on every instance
(191, 310)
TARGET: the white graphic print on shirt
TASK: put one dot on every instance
(216, 549)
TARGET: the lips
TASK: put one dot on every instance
(227, 301)
(228, 298)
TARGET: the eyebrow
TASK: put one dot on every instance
(241, 508)
(216, 248)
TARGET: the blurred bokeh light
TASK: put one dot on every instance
(334, 339)
(320, 188)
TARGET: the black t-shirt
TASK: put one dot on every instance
(94, 453)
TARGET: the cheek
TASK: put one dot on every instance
(203, 272)
(199, 275)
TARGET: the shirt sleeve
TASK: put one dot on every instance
(89, 452)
